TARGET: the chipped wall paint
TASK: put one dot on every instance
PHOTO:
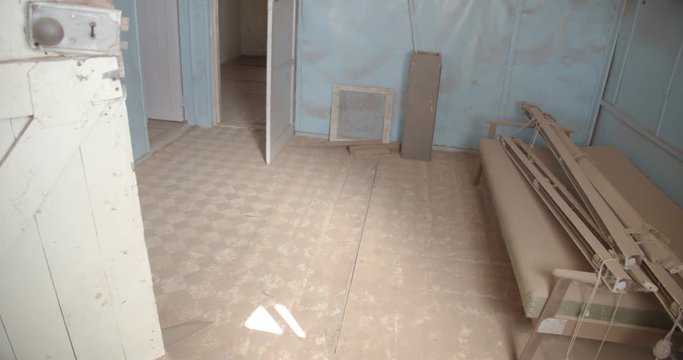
(641, 112)
(496, 53)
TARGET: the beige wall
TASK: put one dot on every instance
(254, 26)
(229, 23)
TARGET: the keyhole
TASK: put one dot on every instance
(92, 29)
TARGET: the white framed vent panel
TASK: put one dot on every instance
(361, 113)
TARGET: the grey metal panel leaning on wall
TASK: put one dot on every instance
(421, 101)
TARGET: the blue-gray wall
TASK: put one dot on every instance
(133, 81)
(196, 61)
(642, 108)
(495, 54)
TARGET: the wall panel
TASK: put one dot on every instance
(559, 57)
(662, 168)
(626, 27)
(650, 60)
(495, 53)
(670, 127)
(641, 110)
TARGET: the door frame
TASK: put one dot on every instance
(215, 80)
(216, 63)
(199, 60)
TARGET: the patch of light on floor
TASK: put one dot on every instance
(290, 320)
(261, 320)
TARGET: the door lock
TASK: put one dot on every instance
(92, 29)
(73, 29)
(47, 32)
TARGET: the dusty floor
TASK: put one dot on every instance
(227, 234)
(243, 91)
(161, 130)
(375, 257)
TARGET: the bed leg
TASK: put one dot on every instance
(549, 310)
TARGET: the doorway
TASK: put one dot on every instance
(194, 70)
(243, 30)
(256, 50)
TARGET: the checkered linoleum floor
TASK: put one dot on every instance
(227, 234)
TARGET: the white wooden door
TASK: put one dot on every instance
(75, 280)
(281, 75)
(160, 56)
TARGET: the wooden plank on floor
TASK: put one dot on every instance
(342, 143)
(375, 148)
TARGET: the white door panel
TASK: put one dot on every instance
(31, 312)
(280, 119)
(280, 82)
(75, 281)
(15, 93)
(74, 276)
(160, 55)
(283, 26)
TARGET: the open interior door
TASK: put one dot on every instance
(160, 56)
(280, 79)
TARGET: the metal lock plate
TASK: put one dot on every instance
(73, 29)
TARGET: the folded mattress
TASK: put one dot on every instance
(537, 244)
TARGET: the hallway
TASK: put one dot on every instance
(243, 92)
